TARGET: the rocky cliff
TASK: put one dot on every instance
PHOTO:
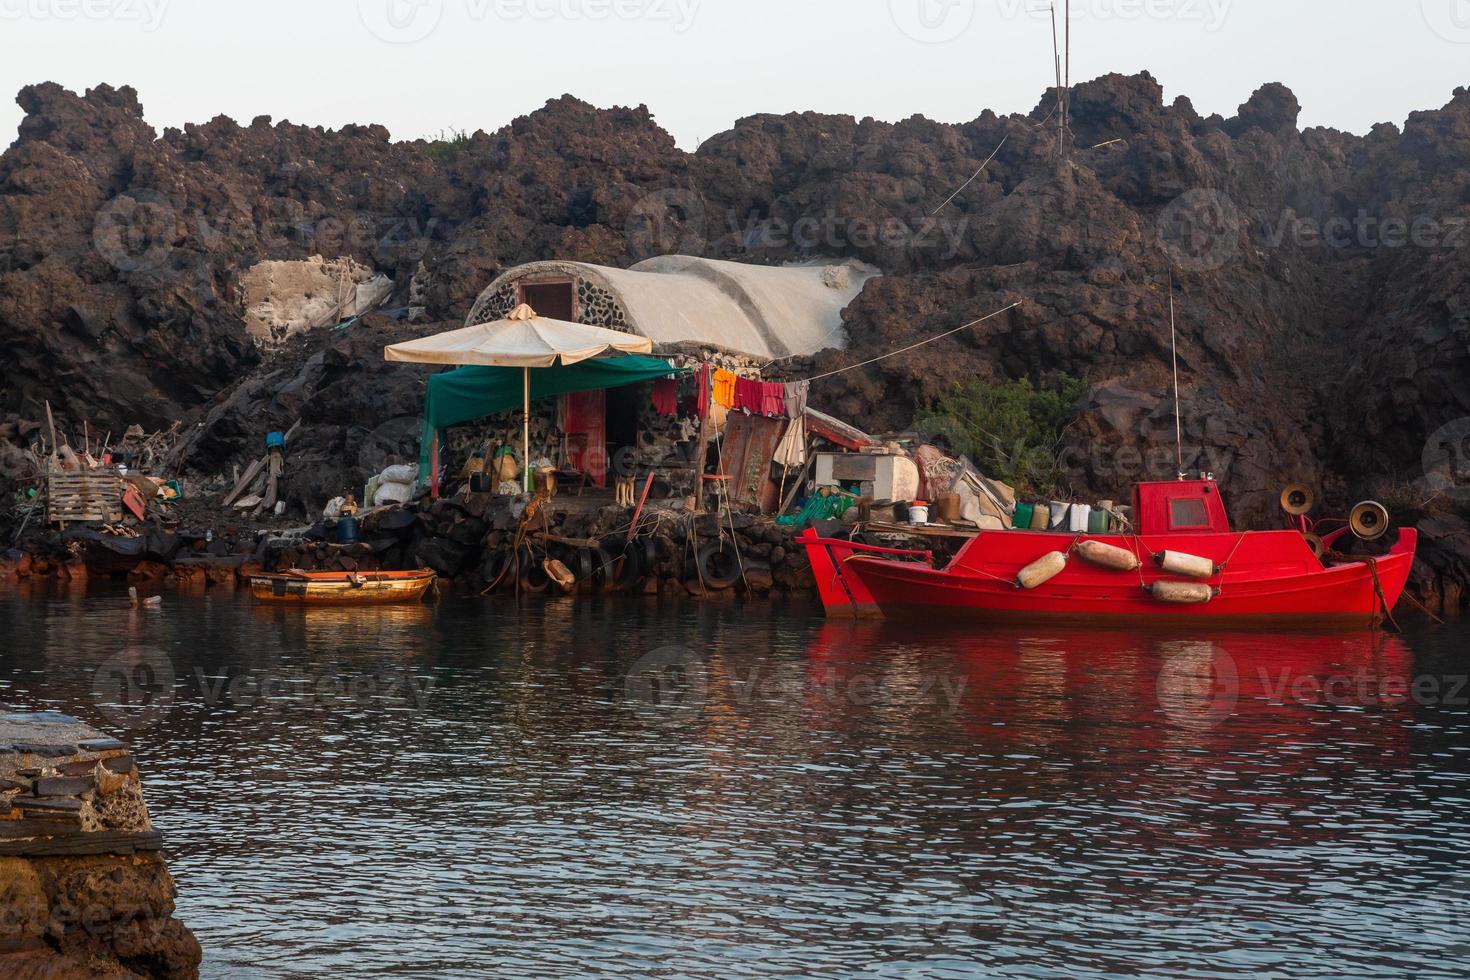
(1319, 277)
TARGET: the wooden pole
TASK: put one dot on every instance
(51, 422)
(700, 452)
(638, 513)
(1067, 78)
(1057, 55)
(811, 459)
(526, 432)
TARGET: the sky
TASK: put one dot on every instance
(426, 67)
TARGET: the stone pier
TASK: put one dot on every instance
(84, 891)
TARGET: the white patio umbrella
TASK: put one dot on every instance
(522, 340)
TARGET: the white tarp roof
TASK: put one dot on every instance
(764, 311)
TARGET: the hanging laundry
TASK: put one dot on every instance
(791, 451)
(702, 396)
(748, 396)
(773, 399)
(796, 394)
(666, 397)
(724, 388)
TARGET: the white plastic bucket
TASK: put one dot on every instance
(919, 514)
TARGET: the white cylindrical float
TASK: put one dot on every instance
(1190, 566)
(1042, 571)
(1108, 556)
(1182, 593)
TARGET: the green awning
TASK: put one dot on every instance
(471, 393)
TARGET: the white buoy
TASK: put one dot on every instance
(1108, 556)
(1190, 566)
(1041, 571)
(1183, 593)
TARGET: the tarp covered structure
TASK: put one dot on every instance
(472, 393)
(522, 340)
(763, 311)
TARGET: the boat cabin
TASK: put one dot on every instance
(1180, 507)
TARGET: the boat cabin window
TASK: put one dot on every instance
(1188, 514)
(1185, 507)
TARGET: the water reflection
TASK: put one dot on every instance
(630, 787)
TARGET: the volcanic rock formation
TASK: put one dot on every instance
(1319, 277)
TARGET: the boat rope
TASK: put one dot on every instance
(537, 506)
(1380, 600)
(1139, 552)
(1220, 587)
(1422, 607)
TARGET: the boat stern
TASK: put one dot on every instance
(1394, 569)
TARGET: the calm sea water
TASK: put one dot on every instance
(643, 788)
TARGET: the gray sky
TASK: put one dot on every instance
(423, 66)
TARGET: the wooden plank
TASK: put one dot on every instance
(83, 845)
(273, 482)
(919, 530)
(746, 452)
(835, 430)
(806, 473)
(246, 480)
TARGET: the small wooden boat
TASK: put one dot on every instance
(1182, 564)
(341, 588)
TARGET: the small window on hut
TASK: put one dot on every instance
(1188, 512)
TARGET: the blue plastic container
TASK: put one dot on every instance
(349, 531)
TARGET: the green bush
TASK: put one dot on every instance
(448, 145)
(1011, 431)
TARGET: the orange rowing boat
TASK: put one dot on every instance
(341, 588)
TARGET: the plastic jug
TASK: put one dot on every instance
(1081, 516)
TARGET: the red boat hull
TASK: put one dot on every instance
(1269, 578)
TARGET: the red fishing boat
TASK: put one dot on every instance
(1180, 563)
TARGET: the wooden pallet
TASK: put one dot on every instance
(84, 496)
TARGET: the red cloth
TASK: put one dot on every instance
(701, 400)
(748, 396)
(773, 399)
(666, 397)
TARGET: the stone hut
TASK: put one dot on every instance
(680, 302)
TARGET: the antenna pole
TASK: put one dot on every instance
(1178, 414)
(1067, 103)
(1057, 56)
